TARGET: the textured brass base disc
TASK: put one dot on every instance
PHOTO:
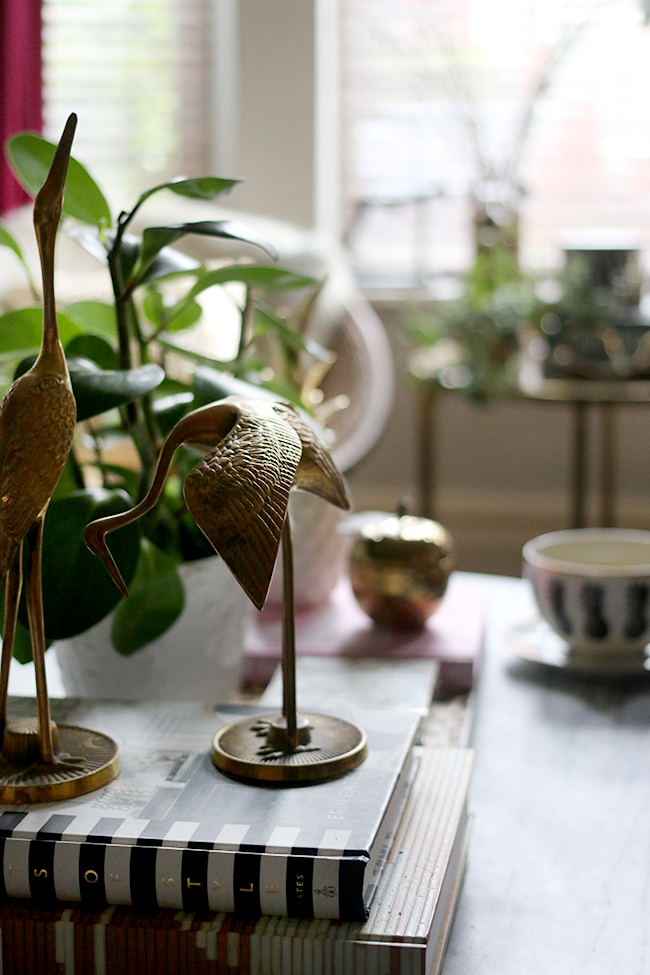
(86, 761)
(336, 746)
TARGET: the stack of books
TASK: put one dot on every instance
(175, 868)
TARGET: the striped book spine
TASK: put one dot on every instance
(100, 861)
(172, 832)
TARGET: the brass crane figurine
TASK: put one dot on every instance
(37, 422)
(257, 451)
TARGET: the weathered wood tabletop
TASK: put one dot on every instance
(558, 876)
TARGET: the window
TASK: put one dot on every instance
(550, 96)
(137, 74)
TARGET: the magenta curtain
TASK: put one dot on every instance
(21, 96)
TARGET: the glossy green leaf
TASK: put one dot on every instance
(198, 188)
(187, 313)
(22, 644)
(24, 365)
(171, 345)
(211, 384)
(130, 247)
(254, 275)
(22, 641)
(30, 157)
(153, 306)
(154, 239)
(91, 242)
(22, 330)
(98, 390)
(8, 240)
(94, 348)
(124, 477)
(170, 386)
(266, 322)
(71, 479)
(167, 263)
(77, 590)
(96, 317)
(155, 601)
(168, 410)
(203, 187)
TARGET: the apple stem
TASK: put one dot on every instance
(403, 507)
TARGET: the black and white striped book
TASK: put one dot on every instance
(405, 934)
(172, 831)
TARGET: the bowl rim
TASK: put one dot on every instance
(532, 555)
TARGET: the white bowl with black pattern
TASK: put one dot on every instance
(592, 586)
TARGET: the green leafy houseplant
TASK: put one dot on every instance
(133, 379)
(470, 344)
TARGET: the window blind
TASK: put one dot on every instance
(435, 87)
(137, 74)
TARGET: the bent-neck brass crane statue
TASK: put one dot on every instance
(37, 421)
(256, 452)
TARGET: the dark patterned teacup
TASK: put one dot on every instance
(592, 586)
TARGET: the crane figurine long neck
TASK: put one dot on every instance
(37, 421)
(47, 217)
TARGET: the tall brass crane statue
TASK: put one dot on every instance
(37, 421)
(257, 451)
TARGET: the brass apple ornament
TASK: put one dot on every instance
(399, 569)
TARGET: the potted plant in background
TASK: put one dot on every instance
(134, 376)
(472, 344)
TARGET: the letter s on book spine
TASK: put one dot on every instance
(149, 877)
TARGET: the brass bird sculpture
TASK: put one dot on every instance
(37, 421)
(256, 452)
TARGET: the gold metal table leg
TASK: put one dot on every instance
(426, 406)
(607, 464)
(580, 450)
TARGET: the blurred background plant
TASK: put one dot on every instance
(179, 333)
(471, 344)
(595, 327)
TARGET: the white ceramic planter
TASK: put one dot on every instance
(320, 552)
(199, 658)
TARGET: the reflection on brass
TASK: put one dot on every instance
(399, 570)
(256, 452)
(336, 746)
(37, 421)
(86, 761)
(21, 744)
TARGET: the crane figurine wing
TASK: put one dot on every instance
(317, 472)
(238, 494)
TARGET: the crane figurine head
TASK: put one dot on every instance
(256, 452)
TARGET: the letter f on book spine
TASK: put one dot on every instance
(256, 452)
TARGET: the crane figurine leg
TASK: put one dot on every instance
(27, 741)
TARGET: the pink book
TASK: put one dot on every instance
(453, 635)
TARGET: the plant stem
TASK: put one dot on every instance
(246, 323)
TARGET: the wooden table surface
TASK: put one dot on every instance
(558, 876)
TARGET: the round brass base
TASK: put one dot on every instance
(86, 761)
(243, 751)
